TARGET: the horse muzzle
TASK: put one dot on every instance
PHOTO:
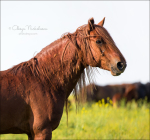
(118, 68)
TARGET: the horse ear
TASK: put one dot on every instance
(91, 24)
(101, 23)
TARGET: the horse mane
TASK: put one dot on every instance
(22, 67)
(87, 75)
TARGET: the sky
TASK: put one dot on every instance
(29, 26)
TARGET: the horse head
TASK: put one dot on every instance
(99, 49)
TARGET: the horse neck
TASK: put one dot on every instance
(61, 65)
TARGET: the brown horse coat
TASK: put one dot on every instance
(33, 93)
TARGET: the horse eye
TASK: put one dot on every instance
(98, 41)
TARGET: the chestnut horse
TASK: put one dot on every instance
(33, 93)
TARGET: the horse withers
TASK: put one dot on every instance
(33, 93)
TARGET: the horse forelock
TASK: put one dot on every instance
(102, 32)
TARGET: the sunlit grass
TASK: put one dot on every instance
(101, 120)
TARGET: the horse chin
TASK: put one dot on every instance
(115, 74)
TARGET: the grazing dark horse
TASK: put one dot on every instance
(116, 91)
(102, 92)
(33, 93)
(129, 94)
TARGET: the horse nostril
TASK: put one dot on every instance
(120, 65)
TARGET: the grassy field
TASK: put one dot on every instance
(101, 121)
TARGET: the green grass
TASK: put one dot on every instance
(102, 121)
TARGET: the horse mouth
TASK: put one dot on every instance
(115, 72)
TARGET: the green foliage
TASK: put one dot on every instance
(102, 121)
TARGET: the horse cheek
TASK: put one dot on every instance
(104, 63)
(96, 56)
